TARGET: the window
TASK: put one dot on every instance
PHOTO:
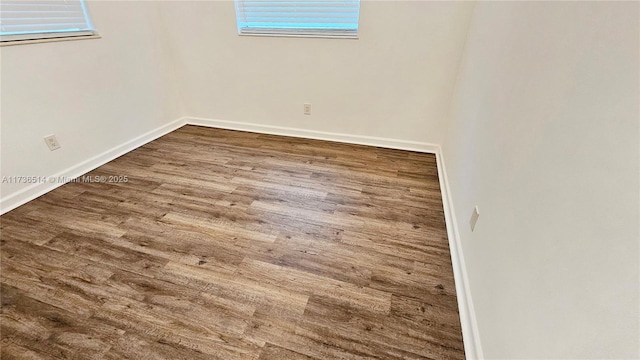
(316, 18)
(22, 20)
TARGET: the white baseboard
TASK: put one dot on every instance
(31, 192)
(470, 334)
(317, 135)
(472, 346)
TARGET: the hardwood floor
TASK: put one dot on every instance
(234, 245)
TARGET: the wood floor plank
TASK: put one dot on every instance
(232, 245)
(11, 351)
(288, 278)
(273, 352)
(236, 288)
(53, 331)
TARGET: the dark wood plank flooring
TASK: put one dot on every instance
(234, 245)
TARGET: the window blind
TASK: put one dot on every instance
(323, 18)
(41, 19)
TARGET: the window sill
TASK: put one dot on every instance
(351, 37)
(54, 39)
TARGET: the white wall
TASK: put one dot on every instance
(93, 94)
(395, 81)
(544, 138)
(543, 132)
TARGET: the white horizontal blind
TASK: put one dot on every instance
(41, 19)
(330, 18)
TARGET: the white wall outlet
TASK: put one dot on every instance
(474, 217)
(52, 142)
(307, 108)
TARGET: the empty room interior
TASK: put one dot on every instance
(319, 179)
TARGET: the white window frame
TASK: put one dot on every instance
(47, 35)
(293, 14)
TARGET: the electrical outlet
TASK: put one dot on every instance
(474, 217)
(307, 109)
(52, 142)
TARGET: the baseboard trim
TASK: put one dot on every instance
(470, 334)
(316, 135)
(472, 346)
(34, 191)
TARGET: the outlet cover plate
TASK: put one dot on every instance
(52, 142)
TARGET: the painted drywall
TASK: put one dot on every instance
(395, 81)
(544, 137)
(92, 94)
